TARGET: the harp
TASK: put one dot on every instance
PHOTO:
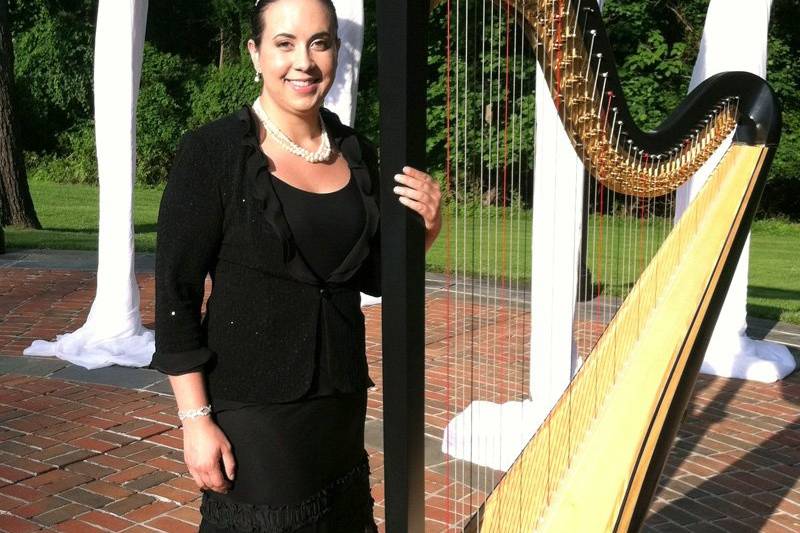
(593, 464)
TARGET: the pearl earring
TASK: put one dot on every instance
(257, 78)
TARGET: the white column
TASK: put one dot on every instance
(558, 187)
(735, 39)
(341, 99)
(555, 254)
(113, 332)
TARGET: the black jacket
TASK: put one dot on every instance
(268, 313)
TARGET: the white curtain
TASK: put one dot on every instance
(113, 332)
(735, 39)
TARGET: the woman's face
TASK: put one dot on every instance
(297, 56)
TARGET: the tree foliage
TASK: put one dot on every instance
(196, 69)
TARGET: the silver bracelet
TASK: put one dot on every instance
(194, 413)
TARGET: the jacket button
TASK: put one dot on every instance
(325, 293)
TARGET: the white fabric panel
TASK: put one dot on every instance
(735, 38)
(113, 332)
(342, 97)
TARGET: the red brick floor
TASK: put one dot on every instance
(84, 457)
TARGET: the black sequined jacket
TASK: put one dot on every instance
(267, 310)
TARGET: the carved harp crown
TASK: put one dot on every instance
(594, 463)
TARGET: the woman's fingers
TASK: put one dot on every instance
(416, 174)
(414, 194)
(419, 207)
(420, 193)
(229, 462)
(213, 479)
(418, 181)
(198, 480)
(218, 481)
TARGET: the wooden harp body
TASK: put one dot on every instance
(594, 463)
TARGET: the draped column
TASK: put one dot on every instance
(342, 97)
(558, 203)
(735, 38)
(113, 332)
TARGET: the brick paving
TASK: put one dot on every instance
(83, 457)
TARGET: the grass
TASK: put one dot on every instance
(69, 216)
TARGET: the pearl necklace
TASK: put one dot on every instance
(322, 154)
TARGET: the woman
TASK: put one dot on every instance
(279, 204)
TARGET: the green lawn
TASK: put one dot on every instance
(69, 216)
(69, 213)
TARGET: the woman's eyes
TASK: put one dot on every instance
(319, 44)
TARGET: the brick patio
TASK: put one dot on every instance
(78, 456)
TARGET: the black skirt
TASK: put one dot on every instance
(300, 467)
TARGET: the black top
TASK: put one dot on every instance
(220, 215)
(325, 226)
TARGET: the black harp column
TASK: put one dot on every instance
(402, 63)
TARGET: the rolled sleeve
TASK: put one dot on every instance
(189, 234)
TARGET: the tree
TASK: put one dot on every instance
(16, 205)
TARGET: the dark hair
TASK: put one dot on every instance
(257, 18)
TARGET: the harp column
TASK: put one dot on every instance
(402, 60)
(735, 39)
(113, 332)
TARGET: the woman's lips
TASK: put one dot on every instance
(303, 86)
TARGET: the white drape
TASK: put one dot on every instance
(342, 97)
(113, 332)
(735, 38)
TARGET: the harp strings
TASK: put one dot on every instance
(627, 210)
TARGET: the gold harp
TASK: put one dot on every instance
(594, 462)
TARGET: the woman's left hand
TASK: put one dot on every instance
(421, 193)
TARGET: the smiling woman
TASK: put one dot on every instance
(279, 204)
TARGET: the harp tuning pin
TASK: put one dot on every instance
(605, 75)
(599, 56)
(592, 32)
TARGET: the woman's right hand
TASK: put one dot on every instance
(204, 445)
